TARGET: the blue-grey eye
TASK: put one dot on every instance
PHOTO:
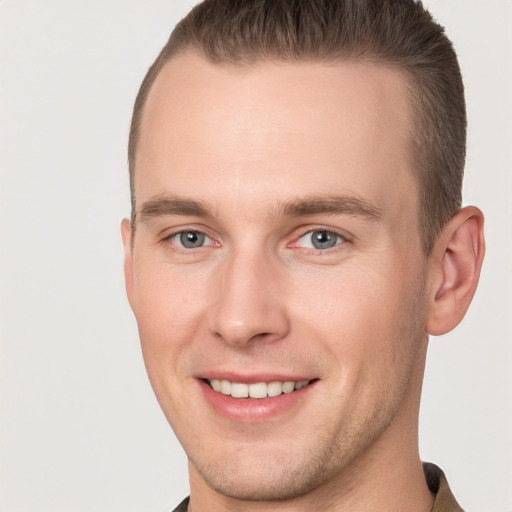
(324, 239)
(191, 239)
(320, 239)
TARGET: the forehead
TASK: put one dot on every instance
(275, 126)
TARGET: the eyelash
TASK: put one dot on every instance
(180, 248)
(341, 239)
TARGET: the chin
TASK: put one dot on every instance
(276, 477)
(260, 486)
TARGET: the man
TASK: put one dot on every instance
(296, 235)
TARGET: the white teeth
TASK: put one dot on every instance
(225, 387)
(239, 390)
(274, 389)
(288, 386)
(256, 390)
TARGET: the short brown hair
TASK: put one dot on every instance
(397, 33)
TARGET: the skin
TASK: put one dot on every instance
(258, 298)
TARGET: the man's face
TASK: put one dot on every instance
(277, 243)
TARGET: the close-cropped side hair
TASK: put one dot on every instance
(400, 34)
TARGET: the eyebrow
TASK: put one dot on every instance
(300, 207)
(331, 205)
(162, 206)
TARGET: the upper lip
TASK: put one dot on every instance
(254, 377)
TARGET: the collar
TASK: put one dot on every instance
(438, 485)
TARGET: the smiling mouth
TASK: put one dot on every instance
(257, 390)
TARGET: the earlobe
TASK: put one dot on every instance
(456, 264)
(126, 233)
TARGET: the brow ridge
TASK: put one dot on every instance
(161, 206)
(333, 205)
(300, 207)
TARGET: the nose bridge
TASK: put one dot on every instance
(249, 301)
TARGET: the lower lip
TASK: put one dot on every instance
(253, 410)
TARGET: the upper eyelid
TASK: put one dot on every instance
(172, 234)
(310, 231)
(169, 232)
(342, 240)
(164, 236)
(292, 237)
(178, 248)
(336, 231)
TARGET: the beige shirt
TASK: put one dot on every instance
(436, 481)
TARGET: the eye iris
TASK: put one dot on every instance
(191, 239)
(323, 239)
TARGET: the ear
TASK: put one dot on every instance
(455, 265)
(126, 233)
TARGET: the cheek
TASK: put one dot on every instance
(365, 318)
(167, 306)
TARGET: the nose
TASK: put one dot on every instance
(250, 302)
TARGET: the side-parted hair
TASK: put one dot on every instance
(400, 34)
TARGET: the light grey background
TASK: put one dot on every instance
(80, 429)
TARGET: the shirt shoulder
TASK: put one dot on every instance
(436, 480)
(183, 506)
